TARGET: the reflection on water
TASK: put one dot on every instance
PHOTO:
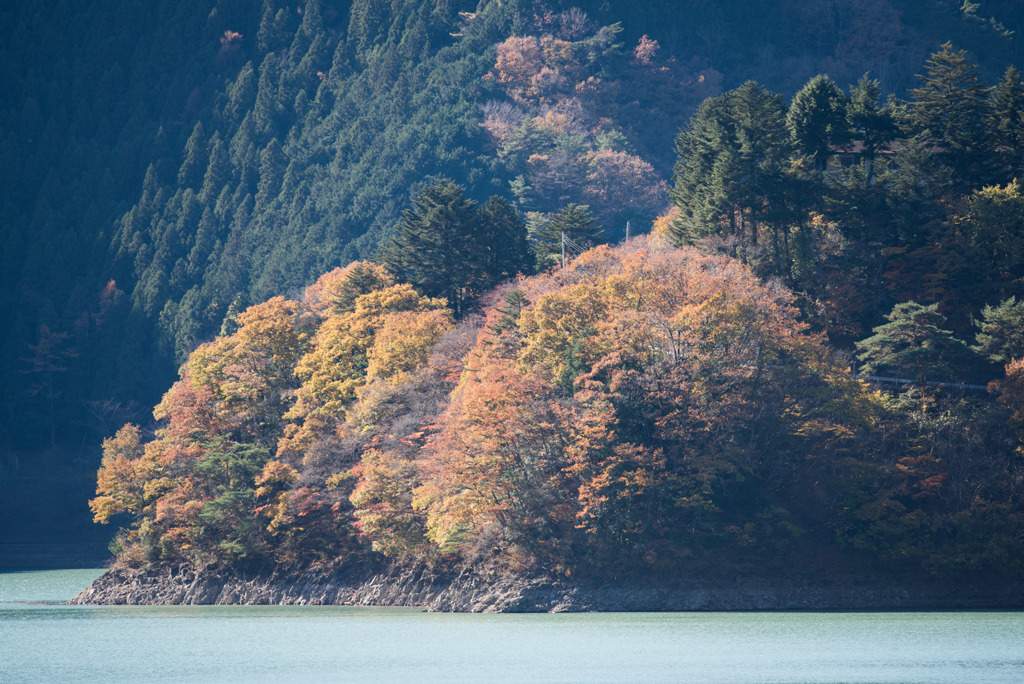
(45, 642)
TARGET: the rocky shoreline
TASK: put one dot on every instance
(470, 591)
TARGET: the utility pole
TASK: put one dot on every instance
(563, 249)
(627, 231)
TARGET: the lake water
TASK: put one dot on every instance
(43, 641)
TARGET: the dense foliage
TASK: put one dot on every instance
(169, 163)
(864, 203)
(641, 406)
(229, 156)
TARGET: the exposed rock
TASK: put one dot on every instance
(485, 592)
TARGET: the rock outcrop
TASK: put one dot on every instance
(489, 592)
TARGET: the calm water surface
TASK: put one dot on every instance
(43, 641)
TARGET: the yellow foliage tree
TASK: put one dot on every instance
(403, 342)
(337, 364)
(120, 483)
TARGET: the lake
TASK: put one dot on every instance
(43, 641)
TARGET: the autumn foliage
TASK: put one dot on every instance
(628, 408)
(639, 407)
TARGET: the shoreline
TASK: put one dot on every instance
(468, 591)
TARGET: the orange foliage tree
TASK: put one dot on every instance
(632, 407)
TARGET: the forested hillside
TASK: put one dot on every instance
(167, 168)
(642, 408)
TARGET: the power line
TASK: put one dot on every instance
(570, 248)
(908, 381)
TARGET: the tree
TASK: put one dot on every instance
(251, 372)
(341, 354)
(120, 482)
(1011, 395)
(912, 342)
(985, 258)
(47, 363)
(624, 185)
(575, 222)
(1007, 124)
(190, 174)
(704, 174)
(817, 119)
(383, 502)
(951, 109)
(730, 177)
(437, 247)
(651, 390)
(403, 342)
(354, 281)
(1001, 335)
(871, 121)
(502, 234)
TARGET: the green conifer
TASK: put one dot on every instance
(437, 247)
(1007, 124)
(575, 222)
(951, 110)
(1001, 336)
(817, 119)
(502, 237)
(913, 342)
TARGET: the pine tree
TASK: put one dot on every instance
(437, 248)
(515, 303)
(702, 179)
(912, 342)
(1001, 336)
(218, 171)
(272, 167)
(951, 110)
(575, 222)
(817, 119)
(190, 174)
(241, 95)
(732, 165)
(273, 32)
(362, 278)
(870, 121)
(502, 236)
(1007, 124)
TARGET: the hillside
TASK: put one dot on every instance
(645, 412)
(169, 170)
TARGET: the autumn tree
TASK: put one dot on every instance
(1011, 395)
(624, 408)
(403, 342)
(251, 372)
(341, 353)
(383, 502)
(120, 482)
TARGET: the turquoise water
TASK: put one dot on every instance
(48, 642)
